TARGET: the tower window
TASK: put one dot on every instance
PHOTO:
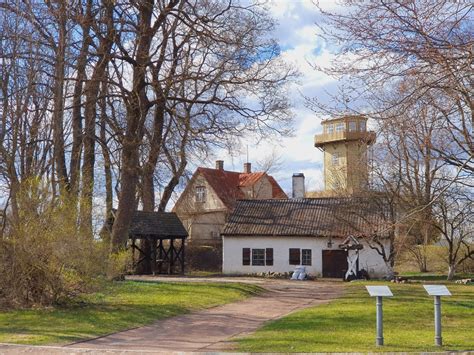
(200, 194)
(335, 159)
(340, 127)
(330, 128)
(362, 126)
(352, 126)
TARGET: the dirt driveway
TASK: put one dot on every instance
(216, 328)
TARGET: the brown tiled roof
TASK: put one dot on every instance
(154, 224)
(318, 217)
(227, 184)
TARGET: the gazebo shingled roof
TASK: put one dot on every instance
(157, 224)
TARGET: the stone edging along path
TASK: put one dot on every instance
(214, 329)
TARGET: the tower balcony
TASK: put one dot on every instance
(324, 138)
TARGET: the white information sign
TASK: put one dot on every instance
(379, 291)
(437, 290)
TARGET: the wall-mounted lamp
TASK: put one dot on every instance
(330, 242)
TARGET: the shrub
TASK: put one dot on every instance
(43, 255)
(204, 258)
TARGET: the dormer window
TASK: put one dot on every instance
(362, 126)
(330, 128)
(200, 194)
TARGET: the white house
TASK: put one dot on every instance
(278, 235)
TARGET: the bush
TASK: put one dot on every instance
(44, 257)
(204, 258)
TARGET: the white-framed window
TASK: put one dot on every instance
(352, 126)
(335, 159)
(258, 257)
(330, 128)
(200, 194)
(306, 257)
(362, 126)
(340, 127)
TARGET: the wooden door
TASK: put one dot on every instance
(334, 263)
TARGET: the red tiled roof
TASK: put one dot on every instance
(248, 179)
(227, 184)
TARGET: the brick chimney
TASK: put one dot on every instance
(247, 168)
(219, 164)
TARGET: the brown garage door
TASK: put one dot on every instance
(334, 263)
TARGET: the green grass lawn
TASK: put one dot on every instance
(348, 323)
(437, 277)
(121, 305)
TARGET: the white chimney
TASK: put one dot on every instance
(247, 168)
(298, 185)
(219, 164)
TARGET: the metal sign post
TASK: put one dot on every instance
(437, 291)
(379, 292)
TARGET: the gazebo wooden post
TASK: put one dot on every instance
(153, 254)
(182, 255)
(160, 253)
(171, 256)
(134, 264)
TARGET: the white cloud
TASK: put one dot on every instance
(296, 34)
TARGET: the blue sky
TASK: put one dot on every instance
(296, 34)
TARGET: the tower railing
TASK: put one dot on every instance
(367, 137)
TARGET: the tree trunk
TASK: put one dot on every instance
(390, 275)
(91, 92)
(127, 201)
(137, 108)
(148, 200)
(106, 154)
(58, 113)
(451, 271)
(167, 193)
(75, 163)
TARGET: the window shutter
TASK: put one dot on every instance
(269, 256)
(294, 256)
(246, 256)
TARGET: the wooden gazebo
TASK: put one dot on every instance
(164, 235)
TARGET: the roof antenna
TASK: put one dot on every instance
(247, 153)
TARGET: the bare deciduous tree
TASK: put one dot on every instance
(382, 44)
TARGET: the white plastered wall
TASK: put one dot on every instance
(232, 255)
